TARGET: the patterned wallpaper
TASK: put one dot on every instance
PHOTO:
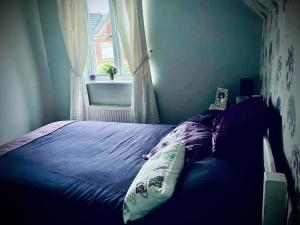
(280, 75)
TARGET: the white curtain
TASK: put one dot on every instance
(72, 17)
(130, 23)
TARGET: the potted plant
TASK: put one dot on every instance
(111, 70)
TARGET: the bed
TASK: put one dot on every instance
(78, 172)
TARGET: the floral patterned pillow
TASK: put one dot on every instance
(154, 183)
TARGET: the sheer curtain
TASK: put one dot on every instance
(72, 17)
(130, 22)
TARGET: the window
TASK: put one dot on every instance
(105, 46)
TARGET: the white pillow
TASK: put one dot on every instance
(154, 183)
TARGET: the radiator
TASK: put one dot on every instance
(110, 113)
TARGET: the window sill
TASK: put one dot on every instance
(109, 82)
(104, 79)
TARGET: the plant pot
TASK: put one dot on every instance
(112, 77)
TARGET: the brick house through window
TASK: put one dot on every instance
(105, 46)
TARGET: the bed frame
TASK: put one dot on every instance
(275, 193)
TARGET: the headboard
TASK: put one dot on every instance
(275, 193)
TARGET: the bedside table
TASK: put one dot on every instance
(214, 107)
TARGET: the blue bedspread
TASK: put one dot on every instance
(80, 174)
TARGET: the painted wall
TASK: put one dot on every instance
(118, 93)
(26, 95)
(280, 70)
(57, 56)
(197, 46)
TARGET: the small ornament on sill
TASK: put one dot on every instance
(92, 77)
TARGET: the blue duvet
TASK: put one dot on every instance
(80, 174)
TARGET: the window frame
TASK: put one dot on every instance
(117, 50)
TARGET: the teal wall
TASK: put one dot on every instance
(57, 56)
(26, 95)
(199, 45)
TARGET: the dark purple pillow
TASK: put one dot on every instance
(238, 130)
(195, 136)
(207, 117)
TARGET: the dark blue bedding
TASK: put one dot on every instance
(212, 191)
(80, 174)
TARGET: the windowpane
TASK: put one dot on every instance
(103, 53)
(105, 47)
(100, 28)
(98, 6)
